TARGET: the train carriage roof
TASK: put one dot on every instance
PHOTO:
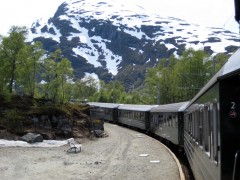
(232, 66)
(104, 105)
(135, 107)
(175, 107)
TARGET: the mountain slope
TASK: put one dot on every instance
(115, 38)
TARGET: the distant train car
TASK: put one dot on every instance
(137, 116)
(110, 110)
(167, 122)
(212, 125)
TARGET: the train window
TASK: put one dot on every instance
(190, 124)
(196, 125)
(108, 111)
(141, 116)
(185, 122)
(193, 125)
(156, 119)
(176, 121)
(201, 127)
(160, 120)
(165, 121)
(173, 121)
(215, 130)
(153, 119)
(170, 121)
(206, 129)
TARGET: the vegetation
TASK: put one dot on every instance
(35, 83)
(27, 69)
(176, 80)
(172, 80)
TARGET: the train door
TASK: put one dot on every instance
(180, 126)
(115, 115)
(229, 123)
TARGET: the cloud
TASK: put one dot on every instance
(25, 12)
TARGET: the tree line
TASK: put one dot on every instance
(27, 69)
(175, 79)
(180, 79)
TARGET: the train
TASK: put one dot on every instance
(207, 127)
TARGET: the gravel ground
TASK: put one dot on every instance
(116, 157)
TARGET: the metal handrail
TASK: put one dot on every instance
(236, 169)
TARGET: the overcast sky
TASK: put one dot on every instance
(209, 13)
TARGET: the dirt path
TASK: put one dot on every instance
(113, 158)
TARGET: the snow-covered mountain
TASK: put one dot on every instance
(114, 38)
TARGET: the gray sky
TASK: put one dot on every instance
(209, 13)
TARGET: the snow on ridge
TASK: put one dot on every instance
(38, 32)
(91, 54)
(132, 17)
(136, 34)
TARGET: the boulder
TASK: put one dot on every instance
(32, 138)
